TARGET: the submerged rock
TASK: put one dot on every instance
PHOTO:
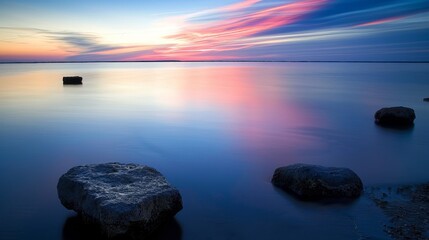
(395, 116)
(426, 99)
(124, 199)
(312, 182)
(407, 209)
(72, 80)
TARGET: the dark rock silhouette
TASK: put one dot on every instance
(312, 182)
(426, 99)
(123, 199)
(72, 80)
(395, 117)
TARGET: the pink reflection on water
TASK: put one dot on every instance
(251, 104)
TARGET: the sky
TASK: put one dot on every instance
(285, 30)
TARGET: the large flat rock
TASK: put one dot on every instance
(313, 182)
(122, 198)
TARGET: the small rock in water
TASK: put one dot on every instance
(312, 182)
(124, 199)
(72, 80)
(395, 117)
(426, 99)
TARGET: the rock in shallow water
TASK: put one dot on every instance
(312, 182)
(122, 198)
(73, 80)
(395, 116)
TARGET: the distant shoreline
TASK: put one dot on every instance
(214, 61)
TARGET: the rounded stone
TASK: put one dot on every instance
(122, 198)
(313, 182)
(395, 116)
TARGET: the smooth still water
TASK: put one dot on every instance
(217, 131)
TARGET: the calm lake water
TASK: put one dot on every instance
(216, 131)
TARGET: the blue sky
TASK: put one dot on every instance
(214, 30)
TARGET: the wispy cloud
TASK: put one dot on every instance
(380, 21)
(84, 46)
(253, 24)
(218, 36)
(83, 42)
(243, 29)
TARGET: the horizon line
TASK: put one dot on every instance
(151, 61)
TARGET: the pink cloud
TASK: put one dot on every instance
(201, 40)
(380, 21)
(239, 6)
(225, 9)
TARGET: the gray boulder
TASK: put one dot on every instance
(395, 116)
(124, 199)
(312, 182)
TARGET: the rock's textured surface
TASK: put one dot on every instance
(72, 80)
(122, 198)
(312, 182)
(395, 116)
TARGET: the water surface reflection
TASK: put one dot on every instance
(75, 229)
(216, 131)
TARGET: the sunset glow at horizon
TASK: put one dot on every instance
(222, 30)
